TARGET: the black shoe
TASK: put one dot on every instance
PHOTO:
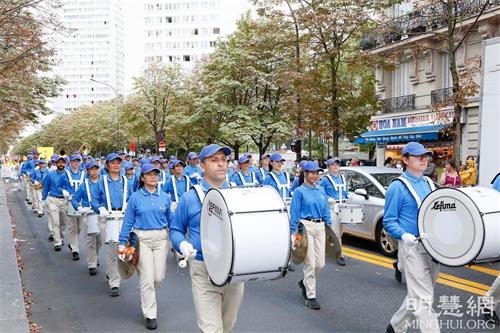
(150, 324)
(397, 273)
(301, 286)
(98, 263)
(51, 238)
(76, 256)
(107, 276)
(29, 202)
(115, 291)
(341, 261)
(291, 268)
(92, 271)
(70, 248)
(389, 329)
(488, 315)
(312, 303)
(57, 248)
(40, 215)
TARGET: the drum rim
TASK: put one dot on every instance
(482, 225)
(229, 275)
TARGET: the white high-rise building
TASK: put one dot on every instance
(183, 31)
(91, 53)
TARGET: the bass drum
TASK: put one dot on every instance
(245, 235)
(461, 226)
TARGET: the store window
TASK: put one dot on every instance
(445, 71)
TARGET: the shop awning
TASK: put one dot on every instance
(405, 134)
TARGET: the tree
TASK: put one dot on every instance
(151, 102)
(24, 57)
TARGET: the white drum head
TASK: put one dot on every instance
(216, 237)
(451, 226)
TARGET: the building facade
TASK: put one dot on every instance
(90, 53)
(183, 31)
(415, 91)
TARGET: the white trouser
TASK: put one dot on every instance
(111, 258)
(315, 256)
(152, 267)
(27, 187)
(93, 243)
(37, 201)
(216, 307)
(56, 210)
(421, 273)
(494, 292)
(75, 225)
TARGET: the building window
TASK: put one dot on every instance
(213, 43)
(216, 31)
(401, 80)
(446, 80)
(168, 19)
(400, 9)
(186, 58)
(195, 31)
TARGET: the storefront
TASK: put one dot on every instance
(392, 133)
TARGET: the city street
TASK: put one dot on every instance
(360, 297)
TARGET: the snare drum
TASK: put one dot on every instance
(351, 214)
(245, 234)
(92, 224)
(459, 226)
(114, 223)
(70, 211)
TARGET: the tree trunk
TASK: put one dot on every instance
(159, 136)
(334, 109)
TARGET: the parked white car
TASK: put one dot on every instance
(367, 187)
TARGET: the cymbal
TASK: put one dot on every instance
(333, 248)
(299, 251)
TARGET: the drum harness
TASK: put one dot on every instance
(338, 187)
(281, 187)
(254, 179)
(75, 182)
(174, 186)
(163, 178)
(125, 191)
(415, 195)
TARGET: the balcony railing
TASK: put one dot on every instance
(442, 96)
(398, 104)
(425, 19)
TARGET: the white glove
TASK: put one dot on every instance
(84, 210)
(187, 249)
(196, 175)
(121, 254)
(65, 194)
(36, 183)
(409, 239)
(103, 212)
(43, 204)
(331, 200)
(37, 168)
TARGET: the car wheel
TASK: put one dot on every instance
(386, 244)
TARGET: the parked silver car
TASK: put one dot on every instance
(367, 186)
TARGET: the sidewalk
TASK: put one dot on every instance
(12, 314)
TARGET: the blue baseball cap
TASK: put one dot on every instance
(155, 159)
(333, 160)
(144, 161)
(128, 165)
(120, 152)
(264, 156)
(162, 160)
(113, 156)
(75, 157)
(35, 152)
(177, 162)
(276, 157)
(243, 159)
(192, 155)
(30, 157)
(212, 149)
(85, 155)
(172, 158)
(91, 164)
(39, 162)
(415, 149)
(311, 166)
(301, 164)
(147, 168)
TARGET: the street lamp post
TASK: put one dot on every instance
(116, 108)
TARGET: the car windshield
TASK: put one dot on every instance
(385, 178)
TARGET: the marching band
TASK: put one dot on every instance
(141, 207)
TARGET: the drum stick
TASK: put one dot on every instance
(184, 261)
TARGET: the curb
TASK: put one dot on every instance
(12, 312)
